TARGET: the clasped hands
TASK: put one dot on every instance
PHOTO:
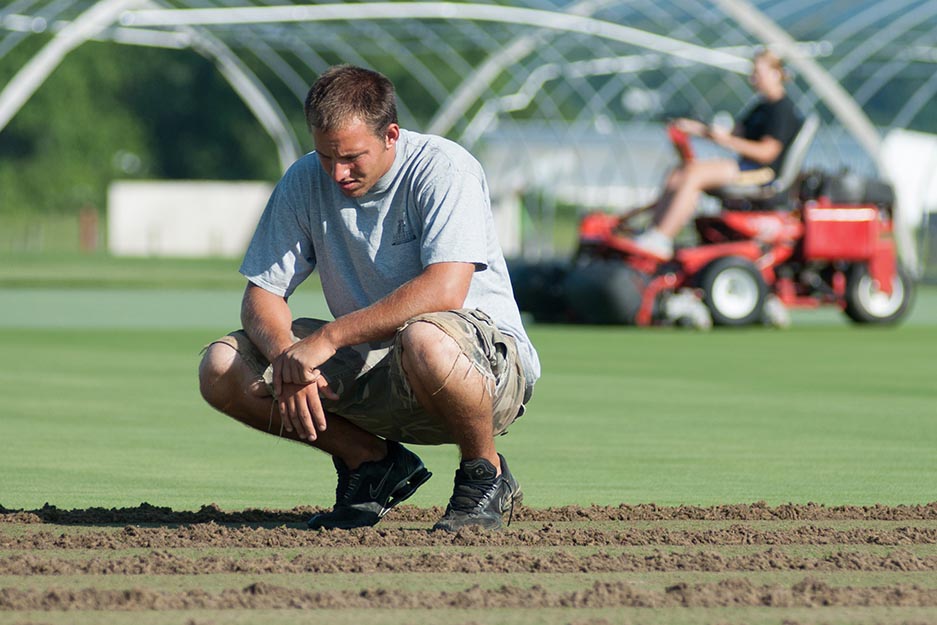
(298, 384)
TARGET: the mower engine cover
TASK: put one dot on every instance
(850, 188)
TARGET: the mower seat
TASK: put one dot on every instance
(755, 196)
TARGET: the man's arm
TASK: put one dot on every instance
(267, 319)
(441, 286)
(296, 379)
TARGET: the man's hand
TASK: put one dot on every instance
(298, 382)
(301, 408)
(299, 363)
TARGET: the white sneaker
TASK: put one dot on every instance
(686, 308)
(655, 243)
(776, 313)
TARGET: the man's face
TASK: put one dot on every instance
(355, 157)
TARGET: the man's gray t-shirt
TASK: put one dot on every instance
(432, 206)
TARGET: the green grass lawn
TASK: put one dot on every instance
(108, 414)
(82, 271)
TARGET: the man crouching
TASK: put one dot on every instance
(427, 346)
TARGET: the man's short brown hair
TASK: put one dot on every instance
(344, 93)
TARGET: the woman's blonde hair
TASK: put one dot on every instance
(775, 61)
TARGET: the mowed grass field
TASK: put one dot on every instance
(101, 409)
(827, 414)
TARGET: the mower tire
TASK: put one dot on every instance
(538, 289)
(866, 303)
(734, 291)
(604, 292)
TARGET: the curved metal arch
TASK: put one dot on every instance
(471, 89)
(454, 59)
(791, 7)
(740, 11)
(921, 98)
(348, 52)
(867, 18)
(431, 10)
(401, 10)
(538, 77)
(254, 94)
(575, 71)
(103, 14)
(684, 80)
(35, 71)
(475, 84)
(552, 107)
(467, 11)
(16, 6)
(267, 55)
(427, 79)
(45, 13)
(682, 31)
(870, 46)
(884, 74)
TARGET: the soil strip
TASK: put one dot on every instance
(168, 563)
(214, 535)
(259, 595)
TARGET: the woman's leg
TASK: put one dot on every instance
(694, 178)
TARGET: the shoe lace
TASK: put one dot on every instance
(347, 485)
(468, 497)
(511, 512)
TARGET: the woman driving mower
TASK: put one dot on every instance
(760, 140)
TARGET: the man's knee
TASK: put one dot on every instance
(214, 373)
(426, 347)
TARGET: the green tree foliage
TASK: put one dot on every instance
(111, 112)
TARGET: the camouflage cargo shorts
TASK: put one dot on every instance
(373, 390)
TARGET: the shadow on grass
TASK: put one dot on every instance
(148, 514)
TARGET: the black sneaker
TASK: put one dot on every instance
(480, 496)
(364, 496)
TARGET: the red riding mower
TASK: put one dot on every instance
(803, 240)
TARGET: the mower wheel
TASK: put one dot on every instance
(538, 289)
(734, 291)
(866, 303)
(600, 291)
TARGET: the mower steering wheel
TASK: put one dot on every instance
(681, 142)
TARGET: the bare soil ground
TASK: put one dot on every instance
(629, 563)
